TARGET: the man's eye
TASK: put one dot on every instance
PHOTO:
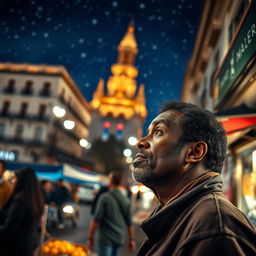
(158, 132)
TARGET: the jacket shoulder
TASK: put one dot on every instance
(215, 214)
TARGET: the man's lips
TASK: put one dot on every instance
(139, 159)
(140, 155)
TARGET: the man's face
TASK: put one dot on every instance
(158, 158)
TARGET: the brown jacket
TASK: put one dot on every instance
(202, 222)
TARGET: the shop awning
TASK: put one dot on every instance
(66, 172)
(237, 118)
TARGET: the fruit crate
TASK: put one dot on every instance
(58, 247)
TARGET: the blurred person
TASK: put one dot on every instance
(180, 160)
(21, 216)
(73, 192)
(102, 190)
(112, 217)
(47, 191)
(60, 197)
(5, 188)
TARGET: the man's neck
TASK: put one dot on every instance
(167, 190)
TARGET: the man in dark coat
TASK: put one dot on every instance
(60, 196)
(181, 159)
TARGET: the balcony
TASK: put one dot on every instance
(44, 93)
(24, 117)
(21, 141)
(69, 133)
(27, 91)
(73, 112)
(9, 90)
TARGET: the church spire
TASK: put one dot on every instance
(121, 98)
(127, 49)
(99, 94)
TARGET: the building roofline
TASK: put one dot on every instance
(43, 69)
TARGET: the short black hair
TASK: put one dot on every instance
(43, 182)
(3, 163)
(198, 124)
(116, 178)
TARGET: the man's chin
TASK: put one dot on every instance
(142, 175)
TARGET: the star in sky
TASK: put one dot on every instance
(83, 36)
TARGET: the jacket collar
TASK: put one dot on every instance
(157, 221)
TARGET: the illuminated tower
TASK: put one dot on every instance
(121, 110)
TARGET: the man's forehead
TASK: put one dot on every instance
(169, 117)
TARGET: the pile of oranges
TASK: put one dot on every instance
(60, 247)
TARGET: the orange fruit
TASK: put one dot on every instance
(54, 251)
(45, 249)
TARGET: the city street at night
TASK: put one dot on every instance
(136, 103)
(78, 235)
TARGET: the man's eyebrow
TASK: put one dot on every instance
(160, 121)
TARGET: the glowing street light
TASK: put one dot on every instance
(127, 152)
(132, 140)
(59, 111)
(69, 125)
(129, 160)
(84, 143)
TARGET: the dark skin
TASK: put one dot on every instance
(159, 165)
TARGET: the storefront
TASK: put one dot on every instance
(239, 172)
(235, 102)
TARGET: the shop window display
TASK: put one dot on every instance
(248, 199)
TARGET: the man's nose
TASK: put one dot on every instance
(142, 143)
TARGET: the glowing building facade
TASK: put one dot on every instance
(121, 110)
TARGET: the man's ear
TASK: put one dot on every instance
(196, 152)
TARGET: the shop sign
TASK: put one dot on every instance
(239, 54)
(7, 155)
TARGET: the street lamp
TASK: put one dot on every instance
(84, 143)
(127, 152)
(132, 140)
(69, 124)
(59, 111)
(129, 160)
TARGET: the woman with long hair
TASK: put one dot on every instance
(20, 218)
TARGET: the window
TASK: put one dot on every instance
(41, 111)
(46, 89)
(1, 130)
(237, 18)
(62, 95)
(10, 88)
(18, 132)
(6, 107)
(23, 109)
(38, 133)
(28, 88)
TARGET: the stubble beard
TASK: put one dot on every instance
(143, 175)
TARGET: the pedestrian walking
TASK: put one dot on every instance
(112, 218)
(60, 197)
(21, 216)
(47, 191)
(181, 159)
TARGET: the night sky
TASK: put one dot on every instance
(83, 36)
